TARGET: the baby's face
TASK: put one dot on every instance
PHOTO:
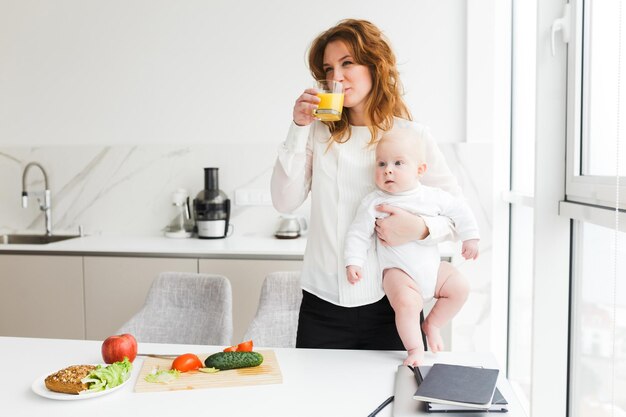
(397, 168)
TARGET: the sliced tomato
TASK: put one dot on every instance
(245, 346)
(187, 362)
(241, 347)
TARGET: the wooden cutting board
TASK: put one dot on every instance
(266, 373)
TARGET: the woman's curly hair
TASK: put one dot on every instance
(368, 46)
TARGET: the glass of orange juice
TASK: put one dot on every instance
(331, 104)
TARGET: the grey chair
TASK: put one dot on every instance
(185, 308)
(276, 321)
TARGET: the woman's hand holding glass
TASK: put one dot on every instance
(399, 227)
(303, 109)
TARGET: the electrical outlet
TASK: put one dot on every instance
(253, 197)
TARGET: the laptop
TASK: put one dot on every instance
(403, 403)
(405, 406)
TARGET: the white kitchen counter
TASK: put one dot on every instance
(234, 247)
(245, 246)
(316, 382)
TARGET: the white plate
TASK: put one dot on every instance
(39, 388)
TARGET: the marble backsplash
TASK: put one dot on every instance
(126, 190)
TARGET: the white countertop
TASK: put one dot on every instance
(238, 246)
(316, 382)
(245, 246)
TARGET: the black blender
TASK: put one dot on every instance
(211, 208)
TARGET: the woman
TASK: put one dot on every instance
(334, 162)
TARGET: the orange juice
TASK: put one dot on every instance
(330, 106)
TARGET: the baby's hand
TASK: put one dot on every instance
(470, 249)
(354, 273)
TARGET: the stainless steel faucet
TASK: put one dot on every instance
(43, 197)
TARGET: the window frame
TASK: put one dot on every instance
(588, 190)
(551, 231)
(588, 198)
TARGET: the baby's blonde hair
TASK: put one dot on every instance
(410, 137)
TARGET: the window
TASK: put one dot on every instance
(597, 77)
(602, 50)
(573, 362)
(595, 198)
(598, 359)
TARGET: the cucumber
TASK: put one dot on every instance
(233, 360)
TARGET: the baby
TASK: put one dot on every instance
(412, 273)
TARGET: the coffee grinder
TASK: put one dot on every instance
(211, 208)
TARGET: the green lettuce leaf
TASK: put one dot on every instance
(163, 377)
(110, 376)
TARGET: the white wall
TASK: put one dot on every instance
(196, 71)
(123, 101)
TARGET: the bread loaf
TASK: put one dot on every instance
(68, 380)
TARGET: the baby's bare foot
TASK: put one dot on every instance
(415, 358)
(433, 336)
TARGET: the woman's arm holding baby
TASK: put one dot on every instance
(401, 227)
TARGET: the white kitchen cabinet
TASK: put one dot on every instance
(91, 297)
(246, 278)
(42, 296)
(116, 288)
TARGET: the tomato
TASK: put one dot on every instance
(245, 346)
(187, 362)
(241, 347)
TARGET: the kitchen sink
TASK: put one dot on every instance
(18, 239)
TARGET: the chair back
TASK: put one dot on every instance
(276, 321)
(186, 308)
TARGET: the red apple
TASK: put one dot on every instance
(114, 348)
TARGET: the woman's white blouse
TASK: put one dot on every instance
(338, 177)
